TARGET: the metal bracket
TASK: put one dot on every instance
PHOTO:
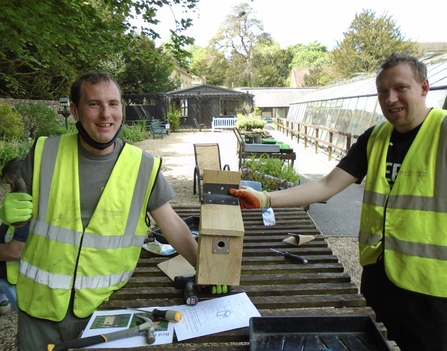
(217, 194)
(221, 245)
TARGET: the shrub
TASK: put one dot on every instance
(13, 148)
(11, 125)
(135, 132)
(248, 124)
(19, 147)
(39, 120)
(173, 116)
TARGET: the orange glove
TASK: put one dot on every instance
(250, 198)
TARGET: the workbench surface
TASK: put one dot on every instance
(275, 285)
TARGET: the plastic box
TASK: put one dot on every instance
(315, 333)
(192, 222)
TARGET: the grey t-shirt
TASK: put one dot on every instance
(94, 171)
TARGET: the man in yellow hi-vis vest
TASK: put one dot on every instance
(403, 226)
(87, 195)
(12, 239)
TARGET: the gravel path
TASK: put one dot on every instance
(177, 153)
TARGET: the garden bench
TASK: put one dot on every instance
(159, 128)
(223, 122)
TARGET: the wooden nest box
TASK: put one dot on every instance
(221, 231)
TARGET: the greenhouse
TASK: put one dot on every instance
(353, 107)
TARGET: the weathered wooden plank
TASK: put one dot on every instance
(261, 302)
(267, 239)
(275, 259)
(284, 278)
(277, 266)
(150, 292)
(275, 285)
(300, 250)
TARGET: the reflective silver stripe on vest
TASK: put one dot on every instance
(372, 198)
(59, 281)
(72, 237)
(54, 281)
(143, 179)
(63, 235)
(101, 281)
(416, 249)
(50, 148)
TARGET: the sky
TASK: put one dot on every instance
(293, 22)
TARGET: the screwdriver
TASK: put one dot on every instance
(167, 315)
(292, 257)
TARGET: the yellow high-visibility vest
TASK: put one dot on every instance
(12, 267)
(60, 256)
(408, 223)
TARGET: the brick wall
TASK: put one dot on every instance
(55, 105)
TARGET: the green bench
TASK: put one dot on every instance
(159, 128)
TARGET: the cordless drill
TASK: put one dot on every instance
(190, 290)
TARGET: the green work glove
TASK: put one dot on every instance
(251, 198)
(219, 289)
(17, 208)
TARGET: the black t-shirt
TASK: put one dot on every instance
(356, 162)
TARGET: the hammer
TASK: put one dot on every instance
(147, 327)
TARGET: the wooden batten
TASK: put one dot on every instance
(221, 237)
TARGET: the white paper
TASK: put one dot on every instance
(104, 322)
(215, 316)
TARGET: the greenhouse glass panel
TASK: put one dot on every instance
(370, 115)
(343, 122)
(293, 112)
(437, 73)
(301, 112)
(436, 98)
(281, 112)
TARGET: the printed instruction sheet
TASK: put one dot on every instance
(215, 316)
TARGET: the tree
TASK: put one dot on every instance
(210, 64)
(368, 41)
(310, 55)
(236, 38)
(271, 65)
(315, 57)
(11, 125)
(45, 44)
(319, 75)
(142, 68)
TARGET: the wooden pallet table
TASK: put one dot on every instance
(275, 285)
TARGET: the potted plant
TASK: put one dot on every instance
(252, 127)
(272, 172)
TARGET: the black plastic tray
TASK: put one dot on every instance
(192, 222)
(316, 333)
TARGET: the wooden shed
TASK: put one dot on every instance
(145, 107)
(199, 104)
